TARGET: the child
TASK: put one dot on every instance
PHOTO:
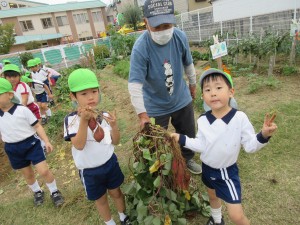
(53, 74)
(41, 91)
(39, 74)
(98, 166)
(12, 74)
(18, 128)
(221, 132)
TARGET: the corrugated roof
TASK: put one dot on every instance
(50, 8)
(38, 37)
(40, 3)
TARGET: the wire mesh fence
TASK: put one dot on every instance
(199, 25)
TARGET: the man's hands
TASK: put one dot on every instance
(175, 136)
(193, 90)
(269, 127)
(144, 118)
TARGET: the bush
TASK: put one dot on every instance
(24, 57)
(101, 52)
(32, 45)
(122, 68)
(289, 70)
(196, 56)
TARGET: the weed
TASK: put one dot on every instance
(122, 68)
(289, 70)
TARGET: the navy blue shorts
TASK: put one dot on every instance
(41, 97)
(97, 181)
(224, 181)
(23, 153)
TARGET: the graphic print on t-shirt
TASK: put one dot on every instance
(169, 82)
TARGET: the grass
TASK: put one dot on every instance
(270, 178)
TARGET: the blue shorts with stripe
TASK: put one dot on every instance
(224, 181)
(41, 97)
(97, 181)
(23, 153)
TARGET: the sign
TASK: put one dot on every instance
(218, 50)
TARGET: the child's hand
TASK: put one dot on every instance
(111, 118)
(85, 113)
(49, 147)
(269, 126)
(175, 136)
(50, 96)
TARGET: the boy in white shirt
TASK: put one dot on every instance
(221, 133)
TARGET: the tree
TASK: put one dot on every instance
(132, 15)
(7, 38)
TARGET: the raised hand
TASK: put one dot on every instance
(269, 127)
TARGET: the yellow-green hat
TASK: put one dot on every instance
(31, 63)
(216, 71)
(38, 60)
(26, 79)
(6, 61)
(11, 67)
(27, 74)
(5, 86)
(82, 79)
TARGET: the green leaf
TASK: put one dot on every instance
(181, 221)
(128, 188)
(157, 181)
(146, 154)
(152, 121)
(172, 207)
(142, 210)
(171, 195)
(148, 220)
(205, 197)
(156, 221)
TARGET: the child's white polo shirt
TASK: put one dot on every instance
(40, 75)
(219, 140)
(17, 124)
(94, 153)
(37, 87)
(21, 89)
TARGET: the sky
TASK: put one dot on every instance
(65, 1)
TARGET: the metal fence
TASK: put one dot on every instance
(199, 25)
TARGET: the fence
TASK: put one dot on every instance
(62, 56)
(199, 25)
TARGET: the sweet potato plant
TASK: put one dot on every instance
(162, 192)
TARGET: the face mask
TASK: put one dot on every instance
(162, 37)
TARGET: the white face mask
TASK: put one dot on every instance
(162, 37)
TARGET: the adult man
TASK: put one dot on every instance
(159, 58)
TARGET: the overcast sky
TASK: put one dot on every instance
(64, 1)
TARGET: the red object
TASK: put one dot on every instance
(99, 132)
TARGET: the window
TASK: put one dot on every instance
(81, 18)
(97, 16)
(26, 25)
(47, 23)
(62, 21)
(13, 5)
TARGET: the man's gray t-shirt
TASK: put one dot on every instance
(160, 69)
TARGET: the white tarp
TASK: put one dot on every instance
(233, 9)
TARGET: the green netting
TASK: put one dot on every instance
(39, 55)
(53, 56)
(72, 52)
(87, 47)
(105, 41)
(13, 60)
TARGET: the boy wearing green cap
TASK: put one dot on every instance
(42, 92)
(13, 74)
(19, 129)
(93, 138)
(221, 133)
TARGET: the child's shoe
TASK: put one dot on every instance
(51, 103)
(126, 221)
(38, 198)
(57, 198)
(212, 222)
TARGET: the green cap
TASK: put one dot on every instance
(216, 71)
(5, 86)
(38, 60)
(26, 79)
(31, 63)
(82, 79)
(27, 74)
(6, 61)
(12, 67)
